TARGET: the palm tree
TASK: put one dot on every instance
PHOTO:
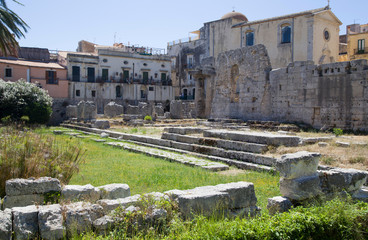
(11, 27)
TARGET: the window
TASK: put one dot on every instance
(126, 62)
(118, 91)
(249, 39)
(145, 76)
(151, 89)
(93, 93)
(190, 61)
(51, 77)
(143, 95)
(8, 72)
(126, 75)
(91, 74)
(156, 75)
(163, 76)
(361, 46)
(77, 93)
(286, 34)
(75, 74)
(105, 74)
(326, 35)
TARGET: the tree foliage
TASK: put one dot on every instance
(20, 98)
(11, 27)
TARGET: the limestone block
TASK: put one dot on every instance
(86, 110)
(25, 222)
(339, 179)
(242, 194)
(104, 135)
(109, 205)
(361, 195)
(113, 109)
(298, 164)
(322, 144)
(300, 188)
(22, 200)
(114, 191)
(78, 193)
(205, 202)
(71, 111)
(101, 124)
(156, 196)
(79, 216)
(16, 187)
(157, 141)
(104, 224)
(278, 204)
(50, 222)
(155, 216)
(6, 224)
(342, 144)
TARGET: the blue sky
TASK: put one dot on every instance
(59, 25)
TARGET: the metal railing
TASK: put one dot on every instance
(361, 51)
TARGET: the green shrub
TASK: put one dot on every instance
(337, 131)
(25, 154)
(148, 118)
(20, 98)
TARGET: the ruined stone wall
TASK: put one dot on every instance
(324, 96)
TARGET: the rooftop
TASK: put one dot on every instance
(32, 64)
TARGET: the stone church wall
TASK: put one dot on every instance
(324, 96)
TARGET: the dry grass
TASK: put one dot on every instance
(354, 156)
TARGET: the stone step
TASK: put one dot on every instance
(254, 137)
(215, 142)
(231, 162)
(187, 160)
(185, 130)
(249, 161)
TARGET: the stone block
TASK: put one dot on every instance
(104, 224)
(16, 187)
(104, 135)
(86, 110)
(101, 124)
(23, 200)
(242, 194)
(71, 111)
(298, 164)
(79, 216)
(50, 222)
(109, 205)
(25, 222)
(300, 188)
(113, 109)
(79, 193)
(114, 191)
(361, 195)
(278, 204)
(342, 144)
(341, 179)
(6, 225)
(322, 144)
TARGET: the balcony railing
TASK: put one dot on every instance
(130, 80)
(361, 51)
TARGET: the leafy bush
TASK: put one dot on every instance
(20, 98)
(148, 118)
(337, 131)
(25, 154)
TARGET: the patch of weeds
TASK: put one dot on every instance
(134, 130)
(148, 118)
(51, 197)
(328, 160)
(271, 149)
(357, 160)
(337, 131)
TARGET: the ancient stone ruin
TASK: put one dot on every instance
(242, 84)
(30, 218)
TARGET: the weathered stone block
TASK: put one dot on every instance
(339, 179)
(101, 124)
(71, 111)
(6, 224)
(114, 191)
(278, 204)
(300, 188)
(77, 193)
(23, 200)
(104, 224)
(79, 216)
(16, 187)
(109, 205)
(298, 164)
(25, 222)
(50, 222)
(113, 109)
(242, 194)
(361, 195)
(86, 110)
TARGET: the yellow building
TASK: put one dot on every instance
(357, 42)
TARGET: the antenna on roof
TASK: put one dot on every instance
(328, 4)
(115, 37)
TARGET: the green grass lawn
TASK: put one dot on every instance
(105, 164)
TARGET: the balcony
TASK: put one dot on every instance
(361, 51)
